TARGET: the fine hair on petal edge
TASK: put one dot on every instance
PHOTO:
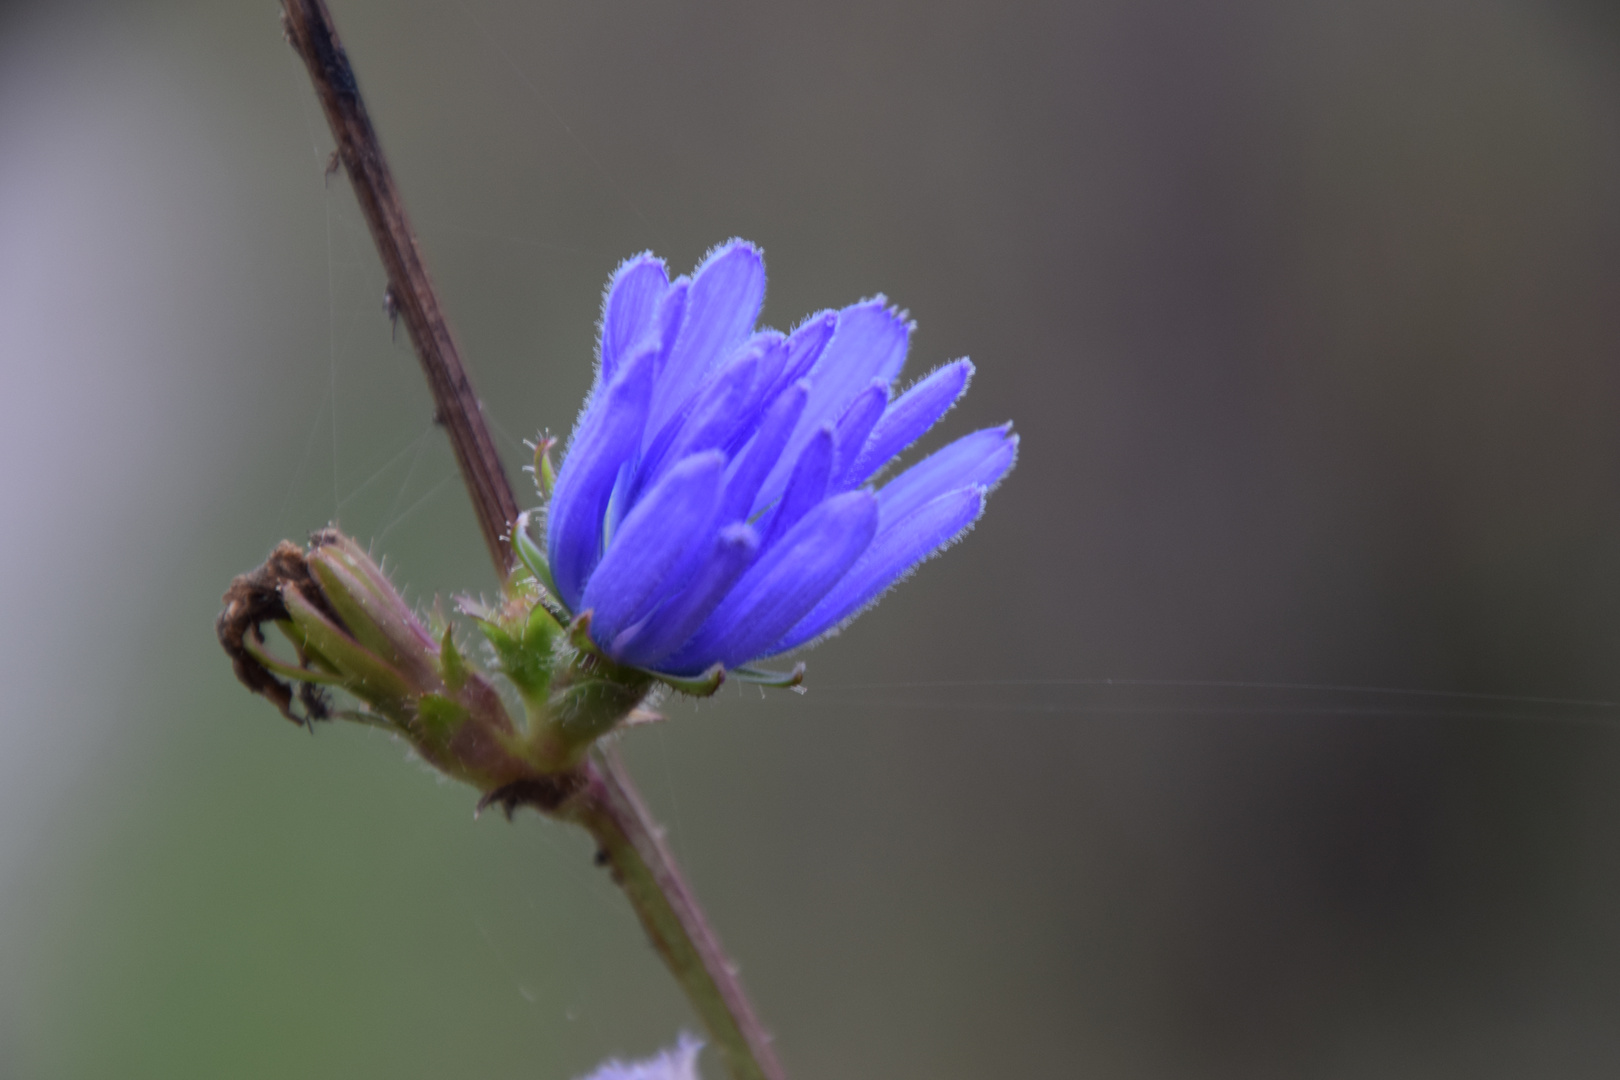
(607, 291)
(901, 315)
(842, 624)
(737, 241)
(967, 384)
(597, 382)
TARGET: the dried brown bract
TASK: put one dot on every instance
(253, 599)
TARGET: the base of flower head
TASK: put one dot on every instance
(705, 684)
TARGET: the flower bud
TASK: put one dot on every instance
(352, 631)
(365, 600)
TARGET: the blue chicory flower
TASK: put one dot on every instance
(717, 502)
(677, 1063)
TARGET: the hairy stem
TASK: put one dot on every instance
(608, 806)
(642, 865)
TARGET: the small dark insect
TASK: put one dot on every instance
(602, 857)
(317, 704)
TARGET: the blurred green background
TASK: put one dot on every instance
(1309, 315)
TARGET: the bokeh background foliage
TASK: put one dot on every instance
(1309, 315)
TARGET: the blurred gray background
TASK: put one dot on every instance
(1309, 315)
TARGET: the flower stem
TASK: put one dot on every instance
(632, 842)
(410, 291)
(608, 806)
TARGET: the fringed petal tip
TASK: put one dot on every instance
(910, 416)
(629, 303)
(1008, 458)
(894, 555)
(679, 1062)
(897, 314)
(726, 247)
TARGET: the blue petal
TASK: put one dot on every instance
(855, 425)
(766, 350)
(869, 343)
(896, 551)
(668, 628)
(759, 457)
(633, 295)
(770, 349)
(660, 336)
(977, 460)
(675, 517)
(721, 308)
(912, 414)
(721, 408)
(806, 487)
(805, 346)
(669, 319)
(782, 587)
(607, 436)
(709, 420)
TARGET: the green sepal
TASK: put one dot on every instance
(286, 670)
(452, 668)
(703, 685)
(365, 675)
(532, 558)
(508, 648)
(579, 633)
(545, 478)
(370, 608)
(781, 679)
(542, 625)
(439, 718)
(590, 708)
(346, 594)
(527, 653)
